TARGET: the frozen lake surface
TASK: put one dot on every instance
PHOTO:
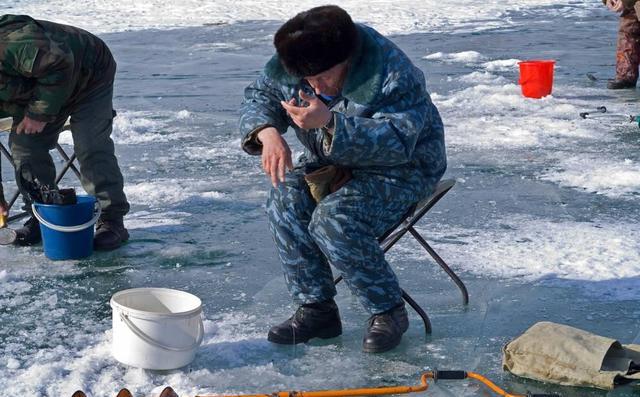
(542, 224)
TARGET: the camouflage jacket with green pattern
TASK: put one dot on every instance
(46, 68)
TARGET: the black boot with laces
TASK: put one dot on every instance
(385, 330)
(314, 320)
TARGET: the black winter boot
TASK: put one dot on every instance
(314, 320)
(385, 330)
(110, 234)
(620, 84)
(29, 234)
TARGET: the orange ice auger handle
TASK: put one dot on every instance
(379, 391)
(490, 385)
(458, 375)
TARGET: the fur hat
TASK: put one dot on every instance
(316, 40)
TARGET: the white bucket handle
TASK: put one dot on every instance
(69, 229)
(139, 333)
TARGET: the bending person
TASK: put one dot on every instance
(49, 72)
(374, 147)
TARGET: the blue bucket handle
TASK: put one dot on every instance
(69, 229)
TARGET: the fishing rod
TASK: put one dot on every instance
(602, 113)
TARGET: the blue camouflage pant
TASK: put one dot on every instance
(342, 230)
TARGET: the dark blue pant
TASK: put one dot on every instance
(342, 230)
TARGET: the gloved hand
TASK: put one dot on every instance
(615, 5)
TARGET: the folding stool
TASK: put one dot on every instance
(406, 224)
(5, 126)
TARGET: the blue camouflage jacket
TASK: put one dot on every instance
(385, 123)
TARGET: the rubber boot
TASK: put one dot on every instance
(110, 234)
(315, 320)
(29, 233)
(384, 330)
(620, 84)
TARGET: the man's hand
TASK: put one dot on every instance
(30, 126)
(276, 155)
(316, 115)
(615, 5)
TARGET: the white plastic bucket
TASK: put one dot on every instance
(156, 328)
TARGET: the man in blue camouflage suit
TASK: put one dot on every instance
(374, 147)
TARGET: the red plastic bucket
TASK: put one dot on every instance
(536, 78)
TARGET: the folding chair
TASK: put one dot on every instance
(393, 235)
(5, 126)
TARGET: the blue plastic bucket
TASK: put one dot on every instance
(67, 230)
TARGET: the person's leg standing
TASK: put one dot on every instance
(31, 159)
(627, 51)
(634, 31)
(91, 126)
(307, 273)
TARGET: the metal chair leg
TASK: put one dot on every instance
(69, 164)
(442, 263)
(6, 153)
(15, 196)
(418, 309)
(390, 238)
